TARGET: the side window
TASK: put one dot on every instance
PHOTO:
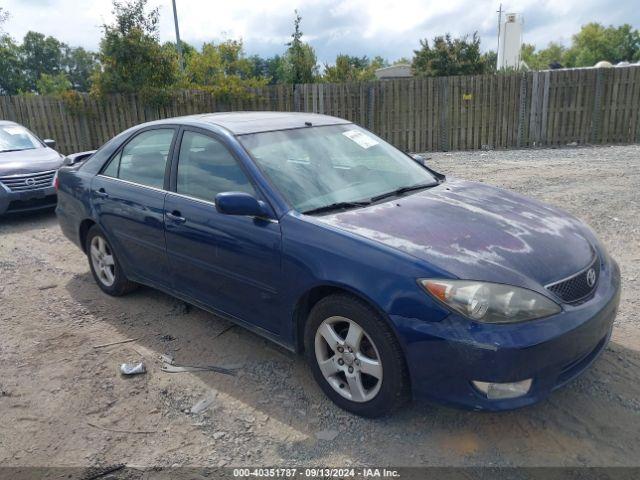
(206, 168)
(143, 160)
(112, 168)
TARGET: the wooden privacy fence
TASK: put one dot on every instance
(534, 109)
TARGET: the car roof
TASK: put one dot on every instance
(242, 123)
(8, 122)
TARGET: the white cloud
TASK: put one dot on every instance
(361, 27)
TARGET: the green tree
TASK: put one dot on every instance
(543, 59)
(40, 54)
(53, 84)
(383, 62)
(595, 42)
(299, 63)
(348, 68)
(223, 70)
(528, 55)
(131, 57)
(490, 61)
(187, 49)
(132, 15)
(402, 61)
(12, 78)
(4, 15)
(626, 43)
(79, 65)
(447, 56)
(269, 68)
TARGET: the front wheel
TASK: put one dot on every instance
(104, 265)
(355, 357)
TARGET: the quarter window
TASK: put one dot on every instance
(206, 168)
(143, 160)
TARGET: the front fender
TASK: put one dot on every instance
(317, 255)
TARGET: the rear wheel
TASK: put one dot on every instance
(354, 356)
(104, 265)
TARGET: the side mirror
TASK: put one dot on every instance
(421, 159)
(76, 158)
(240, 203)
(49, 142)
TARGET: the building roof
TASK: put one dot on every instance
(242, 123)
(401, 70)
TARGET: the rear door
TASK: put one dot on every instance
(229, 263)
(128, 197)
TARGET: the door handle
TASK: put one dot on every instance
(102, 193)
(176, 217)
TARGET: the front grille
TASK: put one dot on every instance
(577, 288)
(31, 181)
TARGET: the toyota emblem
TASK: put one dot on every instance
(30, 182)
(591, 277)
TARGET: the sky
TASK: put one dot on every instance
(357, 27)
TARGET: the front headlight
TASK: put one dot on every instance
(490, 302)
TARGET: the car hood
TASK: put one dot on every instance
(29, 161)
(479, 232)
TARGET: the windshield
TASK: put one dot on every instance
(321, 166)
(14, 138)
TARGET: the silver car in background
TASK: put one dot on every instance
(27, 170)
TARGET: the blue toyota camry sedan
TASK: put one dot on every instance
(391, 278)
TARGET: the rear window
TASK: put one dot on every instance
(143, 160)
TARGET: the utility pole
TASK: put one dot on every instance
(499, 12)
(178, 44)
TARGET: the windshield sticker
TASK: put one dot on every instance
(362, 139)
(13, 130)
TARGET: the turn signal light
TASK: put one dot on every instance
(501, 391)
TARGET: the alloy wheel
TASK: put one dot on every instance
(348, 359)
(103, 261)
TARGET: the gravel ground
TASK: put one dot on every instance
(64, 403)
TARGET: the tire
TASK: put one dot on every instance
(376, 359)
(116, 283)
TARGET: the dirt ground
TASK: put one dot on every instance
(63, 402)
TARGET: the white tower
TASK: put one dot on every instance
(510, 41)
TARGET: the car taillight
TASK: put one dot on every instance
(56, 182)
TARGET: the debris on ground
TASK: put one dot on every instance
(204, 403)
(133, 368)
(170, 366)
(118, 430)
(120, 342)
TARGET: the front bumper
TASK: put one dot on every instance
(25, 201)
(444, 357)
